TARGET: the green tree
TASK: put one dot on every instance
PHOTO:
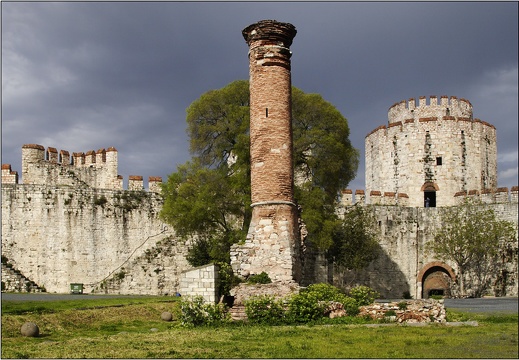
(206, 205)
(209, 197)
(356, 239)
(475, 240)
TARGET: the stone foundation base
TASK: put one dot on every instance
(272, 244)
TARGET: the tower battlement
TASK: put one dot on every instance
(432, 148)
(430, 107)
(9, 176)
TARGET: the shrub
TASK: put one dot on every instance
(227, 279)
(101, 201)
(310, 304)
(265, 309)
(195, 312)
(390, 313)
(406, 295)
(402, 305)
(351, 306)
(198, 254)
(262, 278)
(364, 295)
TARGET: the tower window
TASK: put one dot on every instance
(439, 160)
(266, 112)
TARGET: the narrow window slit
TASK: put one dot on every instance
(266, 112)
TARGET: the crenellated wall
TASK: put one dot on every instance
(71, 222)
(95, 169)
(375, 197)
(112, 241)
(431, 147)
(429, 108)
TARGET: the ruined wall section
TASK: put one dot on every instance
(436, 144)
(404, 232)
(156, 271)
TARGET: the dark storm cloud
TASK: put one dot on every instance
(82, 76)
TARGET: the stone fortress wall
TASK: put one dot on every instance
(432, 154)
(112, 240)
(403, 265)
(72, 222)
(433, 148)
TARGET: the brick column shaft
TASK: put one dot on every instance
(273, 239)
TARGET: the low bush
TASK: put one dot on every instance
(265, 310)
(364, 295)
(310, 304)
(351, 306)
(262, 278)
(195, 311)
(402, 305)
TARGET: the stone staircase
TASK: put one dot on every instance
(238, 313)
(14, 281)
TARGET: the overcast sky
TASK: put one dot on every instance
(85, 76)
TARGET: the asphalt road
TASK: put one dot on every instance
(502, 304)
(57, 297)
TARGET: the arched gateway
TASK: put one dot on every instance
(435, 278)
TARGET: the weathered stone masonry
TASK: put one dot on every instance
(71, 222)
(433, 149)
(273, 237)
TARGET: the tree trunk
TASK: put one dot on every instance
(461, 274)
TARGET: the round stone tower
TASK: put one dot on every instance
(272, 243)
(431, 151)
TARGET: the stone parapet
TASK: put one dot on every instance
(9, 176)
(95, 169)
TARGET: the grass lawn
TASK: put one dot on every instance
(132, 328)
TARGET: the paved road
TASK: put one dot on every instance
(57, 297)
(503, 304)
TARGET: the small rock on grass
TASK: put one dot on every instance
(166, 316)
(30, 329)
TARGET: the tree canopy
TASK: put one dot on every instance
(210, 195)
(477, 242)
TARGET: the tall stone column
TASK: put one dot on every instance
(272, 244)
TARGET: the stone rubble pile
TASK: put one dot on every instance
(335, 309)
(278, 290)
(414, 311)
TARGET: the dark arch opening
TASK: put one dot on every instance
(436, 281)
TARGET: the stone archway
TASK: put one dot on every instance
(436, 278)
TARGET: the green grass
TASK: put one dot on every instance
(132, 328)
